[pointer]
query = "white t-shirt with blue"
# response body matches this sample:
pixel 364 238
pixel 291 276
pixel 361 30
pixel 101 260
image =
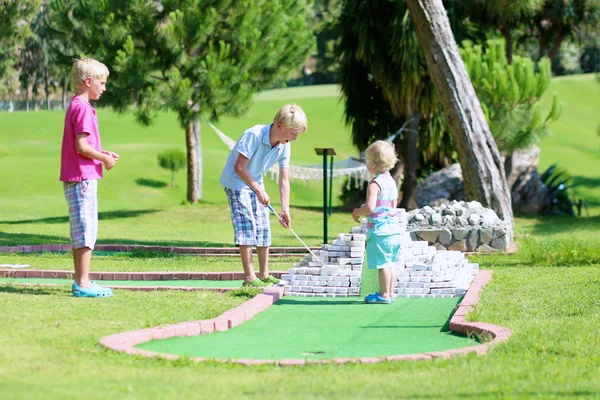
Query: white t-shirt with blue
pixel 255 145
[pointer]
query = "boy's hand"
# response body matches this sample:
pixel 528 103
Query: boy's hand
pixel 263 198
pixel 285 220
pixel 109 162
pixel 110 153
pixel 356 216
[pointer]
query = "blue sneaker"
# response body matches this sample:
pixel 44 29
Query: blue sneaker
pixel 376 298
pixel 392 297
pixel 94 291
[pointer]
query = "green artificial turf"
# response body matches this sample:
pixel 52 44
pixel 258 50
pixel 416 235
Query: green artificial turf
pixel 323 328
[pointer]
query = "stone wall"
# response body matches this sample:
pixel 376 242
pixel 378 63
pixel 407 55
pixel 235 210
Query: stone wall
pixel 461 226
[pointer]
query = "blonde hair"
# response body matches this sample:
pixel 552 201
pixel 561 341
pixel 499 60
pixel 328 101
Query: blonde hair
pixel 381 156
pixel 291 116
pixel 86 68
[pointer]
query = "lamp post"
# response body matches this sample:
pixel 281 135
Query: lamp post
pixel 325 152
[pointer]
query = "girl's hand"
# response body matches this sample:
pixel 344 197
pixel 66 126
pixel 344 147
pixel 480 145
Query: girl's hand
pixel 356 216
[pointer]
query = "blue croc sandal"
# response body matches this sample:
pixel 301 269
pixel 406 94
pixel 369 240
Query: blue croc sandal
pixel 376 298
pixel 94 290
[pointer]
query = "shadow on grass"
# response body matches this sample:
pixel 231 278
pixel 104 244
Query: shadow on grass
pixel 29 290
pixel 102 216
pixel 25 239
pixel 587 182
pixel 151 183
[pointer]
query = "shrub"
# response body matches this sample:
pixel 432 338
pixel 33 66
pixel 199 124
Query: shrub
pixel 173 160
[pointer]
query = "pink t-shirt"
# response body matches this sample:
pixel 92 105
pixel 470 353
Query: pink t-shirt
pixel 81 118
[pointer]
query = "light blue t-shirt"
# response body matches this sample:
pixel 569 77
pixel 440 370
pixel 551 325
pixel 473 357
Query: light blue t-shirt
pixel 254 144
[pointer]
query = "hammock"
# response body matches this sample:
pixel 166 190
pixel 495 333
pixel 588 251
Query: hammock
pixel 352 168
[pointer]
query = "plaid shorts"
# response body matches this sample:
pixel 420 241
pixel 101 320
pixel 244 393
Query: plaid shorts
pixel 251 225
pixel 82 198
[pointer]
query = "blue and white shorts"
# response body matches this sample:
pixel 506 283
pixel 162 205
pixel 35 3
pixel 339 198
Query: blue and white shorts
pixel 82 198
pixel 251 225
pixel 383 251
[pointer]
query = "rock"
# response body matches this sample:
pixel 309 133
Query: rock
pixel 459 245
pixel 445 237
pixel 499 244
pixel 529 194
pixel 485 235
pixel 441 186
pixel 430 236
pixel 473 240
pixel 484 248
pixel 459 234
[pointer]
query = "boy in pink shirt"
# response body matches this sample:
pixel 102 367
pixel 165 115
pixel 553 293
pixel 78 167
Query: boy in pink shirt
pixel 81 167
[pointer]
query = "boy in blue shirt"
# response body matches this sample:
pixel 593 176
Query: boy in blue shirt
pixel 257 150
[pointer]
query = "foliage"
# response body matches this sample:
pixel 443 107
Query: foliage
pixel 173 160
pixel 509 94
pixel 569 252
pixel 558 181
pixel 14 29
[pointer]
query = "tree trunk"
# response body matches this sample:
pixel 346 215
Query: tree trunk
pixel 409 158
pixel 509 43
pixel 65 83
pixel 27 98
pixel 194 157
pixel 47 89
pixel 560 36
pixel 482 166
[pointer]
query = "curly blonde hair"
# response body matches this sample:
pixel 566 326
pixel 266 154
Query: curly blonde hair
pixel 381 156
pixel 291 116
pixel 86 68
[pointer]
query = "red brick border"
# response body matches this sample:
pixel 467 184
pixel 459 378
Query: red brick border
pixel 131 276
pixel 125 342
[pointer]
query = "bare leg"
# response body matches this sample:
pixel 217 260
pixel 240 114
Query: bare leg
pixel 384 283
pixel 246 254
pixel 263 262
pixel 392 286
pixel 81 259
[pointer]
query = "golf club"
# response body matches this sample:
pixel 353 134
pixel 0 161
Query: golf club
pixel 301 241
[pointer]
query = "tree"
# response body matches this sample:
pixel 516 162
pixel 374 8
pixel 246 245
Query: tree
pixel 196 58
pixel 509 94
pixel 478 154
pixel 14 29
pixel 173 160
pixel 504 15
pixel 379 42
pixel 559 20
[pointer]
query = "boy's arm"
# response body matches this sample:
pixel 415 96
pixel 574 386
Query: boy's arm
pixel 369 206
pixel 284 196
pixel 241 168
pixel 82 146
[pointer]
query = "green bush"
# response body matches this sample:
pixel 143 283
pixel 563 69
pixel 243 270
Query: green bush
pixel 173 160
pixel 559 253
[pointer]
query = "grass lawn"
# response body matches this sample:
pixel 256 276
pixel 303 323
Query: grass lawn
pixel 548 294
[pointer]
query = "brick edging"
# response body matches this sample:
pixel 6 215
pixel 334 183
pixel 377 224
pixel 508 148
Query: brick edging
pixel 131 276
pixel 125 342
pixel 205 251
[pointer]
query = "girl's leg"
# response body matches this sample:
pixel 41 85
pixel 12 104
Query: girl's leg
pixel 384 283
pixel 392 283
